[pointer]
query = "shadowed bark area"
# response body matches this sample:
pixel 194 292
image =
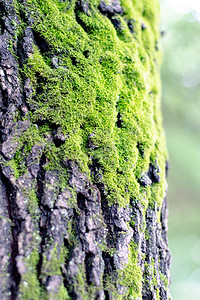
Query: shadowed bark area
pixel 72 226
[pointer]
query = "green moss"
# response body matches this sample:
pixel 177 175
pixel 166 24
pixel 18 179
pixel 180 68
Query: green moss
pixel 25 144
pixel 153 275
pixel 100 73
pixel 110 286
pixel 62 294
pixel 164 280
pixel 32 203
pixel 81 286
pixel 14 167
pixel 132 276
pixel 52 265
pixel 29 288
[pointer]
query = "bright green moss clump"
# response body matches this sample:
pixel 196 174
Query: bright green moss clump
pixel 30 286
pixel 132 276
pixel 101 86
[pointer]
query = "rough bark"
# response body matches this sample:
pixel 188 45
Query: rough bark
pixel 63 232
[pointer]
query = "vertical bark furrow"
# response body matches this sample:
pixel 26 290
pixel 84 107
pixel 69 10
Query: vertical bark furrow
pixel 10 100
pixel 90 230
pixel 6 243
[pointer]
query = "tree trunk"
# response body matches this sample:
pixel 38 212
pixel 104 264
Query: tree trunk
pixel 83 159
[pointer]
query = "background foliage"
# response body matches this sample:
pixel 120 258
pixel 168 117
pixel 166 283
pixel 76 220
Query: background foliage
pixel 181 110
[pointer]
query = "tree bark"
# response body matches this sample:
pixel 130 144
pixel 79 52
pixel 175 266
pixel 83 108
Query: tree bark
pixel 83 211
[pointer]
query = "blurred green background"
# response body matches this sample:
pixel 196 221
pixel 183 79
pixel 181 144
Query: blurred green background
pixel 181 114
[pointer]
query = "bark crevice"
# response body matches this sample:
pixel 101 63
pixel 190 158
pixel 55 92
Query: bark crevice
pixel 15 229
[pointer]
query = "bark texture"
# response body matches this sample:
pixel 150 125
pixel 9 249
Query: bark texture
pixel 64 234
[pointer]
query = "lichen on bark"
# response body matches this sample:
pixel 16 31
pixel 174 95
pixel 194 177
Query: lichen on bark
pixel 83 158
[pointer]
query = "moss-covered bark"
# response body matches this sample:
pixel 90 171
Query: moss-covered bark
pixel 83 161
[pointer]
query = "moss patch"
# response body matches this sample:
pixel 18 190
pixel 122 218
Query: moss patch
pixel 132 276
pixel 29 286
pixel 101 86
